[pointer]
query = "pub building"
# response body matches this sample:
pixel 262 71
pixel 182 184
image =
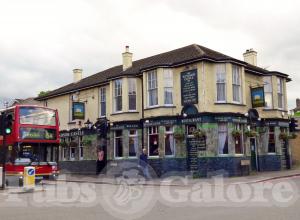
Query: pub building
pixel 194 110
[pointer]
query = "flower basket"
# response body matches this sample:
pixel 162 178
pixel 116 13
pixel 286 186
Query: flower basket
pixel 179 134
pixel 292 136
pixel 63 144
pixel 251 133
pixel 283 136
pixel 262 130
pixel 199 133
pixel 73 144
pixel 236 133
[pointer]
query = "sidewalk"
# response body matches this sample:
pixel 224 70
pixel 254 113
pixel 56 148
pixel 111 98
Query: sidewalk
pixel 253 178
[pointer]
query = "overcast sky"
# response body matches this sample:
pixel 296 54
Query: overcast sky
pixel 41 41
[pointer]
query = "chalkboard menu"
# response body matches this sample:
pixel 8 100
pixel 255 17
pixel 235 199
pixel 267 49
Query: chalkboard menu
pixel 194 145
pixel 189 87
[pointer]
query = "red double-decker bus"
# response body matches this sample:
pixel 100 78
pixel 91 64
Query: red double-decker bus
pixel 34 141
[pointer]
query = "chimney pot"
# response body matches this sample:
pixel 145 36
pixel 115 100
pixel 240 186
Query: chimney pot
pixel 77 75
pixel 127 58
pixel 250 56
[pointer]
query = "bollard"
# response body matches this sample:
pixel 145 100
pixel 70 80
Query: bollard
pixel 29 178
pixel 1 177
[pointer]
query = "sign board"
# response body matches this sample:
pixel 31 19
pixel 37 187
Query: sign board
pixel 258 97
pixel 37 133
pixel 29 178
pixel 189 87
pixel 78 110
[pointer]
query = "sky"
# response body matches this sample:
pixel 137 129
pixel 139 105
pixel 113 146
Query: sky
pixel 42 41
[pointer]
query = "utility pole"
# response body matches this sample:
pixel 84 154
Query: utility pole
pixel 4 149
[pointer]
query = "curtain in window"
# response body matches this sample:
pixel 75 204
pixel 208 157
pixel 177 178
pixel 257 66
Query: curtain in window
pixel 221 82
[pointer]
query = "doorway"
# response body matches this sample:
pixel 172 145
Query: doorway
pixel 254 159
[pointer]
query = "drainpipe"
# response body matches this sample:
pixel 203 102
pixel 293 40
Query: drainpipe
pixel 141 121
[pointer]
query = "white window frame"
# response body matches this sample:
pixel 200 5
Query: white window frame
pixel 170 132
pixel 135 137
pixel 102 99
pixel 121 137
pixel 268 90
pixel 225 132
pixel 168 85
pixel 221 79
pixel 157 133
pixel 117 94
pixel 152 86
pixel 132 92
pixel 280 93
pixel 237 81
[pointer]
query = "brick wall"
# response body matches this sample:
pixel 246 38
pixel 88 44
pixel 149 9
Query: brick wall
pixel 295 147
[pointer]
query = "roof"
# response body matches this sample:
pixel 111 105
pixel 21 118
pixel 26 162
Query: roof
pixel 177 57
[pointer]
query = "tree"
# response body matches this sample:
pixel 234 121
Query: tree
pixel 43 93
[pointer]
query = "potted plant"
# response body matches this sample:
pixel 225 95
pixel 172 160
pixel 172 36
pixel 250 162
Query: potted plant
pixel 179 134
pixel 63 144
pixel 198 133
pixel 262 130
pixel 236 133
pixel 251 133
pixel 283 136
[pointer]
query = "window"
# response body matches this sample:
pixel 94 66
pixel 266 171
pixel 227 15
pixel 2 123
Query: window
pixel 152 88
pixel 132 94
pixel 133 143
pixel 64 153
pixel 168 87
pixel 268 92
pixel 280 93
pixel 169 141
pixel 80 148
pixel 102 101
pixel 223 138
pixel 271 145
pixel 153 141
pixel 236 84
pixel 238 141
pixel 72 153
pixel 118 95
pixel 118 142
pixel 221 82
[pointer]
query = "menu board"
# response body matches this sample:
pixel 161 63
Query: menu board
pixel 189 87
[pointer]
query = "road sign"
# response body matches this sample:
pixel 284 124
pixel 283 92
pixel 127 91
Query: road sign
pixel 29 178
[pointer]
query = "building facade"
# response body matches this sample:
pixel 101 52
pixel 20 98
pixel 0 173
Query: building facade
pixel 193 109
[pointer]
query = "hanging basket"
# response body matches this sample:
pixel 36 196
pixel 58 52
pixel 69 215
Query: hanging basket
pixel 293 136
pixel 283 136
pixel 236 133
pixel 179 134
pixel 199 133
pixel 251 133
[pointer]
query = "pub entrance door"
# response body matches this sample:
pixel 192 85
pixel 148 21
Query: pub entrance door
pixel 254 159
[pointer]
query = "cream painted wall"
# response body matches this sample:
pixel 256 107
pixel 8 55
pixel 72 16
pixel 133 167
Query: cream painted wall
pixel 206 93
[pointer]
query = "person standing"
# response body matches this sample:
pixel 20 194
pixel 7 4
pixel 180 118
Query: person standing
pixel 100 160
pixel 144 163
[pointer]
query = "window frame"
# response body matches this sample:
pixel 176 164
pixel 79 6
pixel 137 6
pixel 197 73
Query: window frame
pixel 270 85
pixel 122 145
pixel 135 137
pixel 152 86
pixel 157 134
pixel 280 93
pixel 221 81
pixel 132 93
pixel 171 133
pixel 118 94
pixel 240 127
pixel 102 101
pixel 237 75
pixel 225 131
pixel 274 137
pixel 168 78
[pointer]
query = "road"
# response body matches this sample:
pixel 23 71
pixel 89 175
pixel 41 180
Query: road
pixel 274 199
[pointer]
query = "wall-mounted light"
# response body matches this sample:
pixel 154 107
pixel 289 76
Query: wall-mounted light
pixel 147 121
pixel 184 115
pixel 246 114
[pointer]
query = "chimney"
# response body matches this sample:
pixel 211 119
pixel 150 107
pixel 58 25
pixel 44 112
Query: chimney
pixel 250 56
pixel 127 58
pixel 77 75
pixel 298 103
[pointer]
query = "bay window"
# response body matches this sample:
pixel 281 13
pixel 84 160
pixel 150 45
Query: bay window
pixel 118 144
pixel 102 102
pixel 280 93
pixel 268 92
pixel 153 141
pixel 152 88
pixel 132 94
pixel 221 82
pixel 118 95
pixel 169 141
pixel 236 84
pixel 223 138
pixel 168 87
